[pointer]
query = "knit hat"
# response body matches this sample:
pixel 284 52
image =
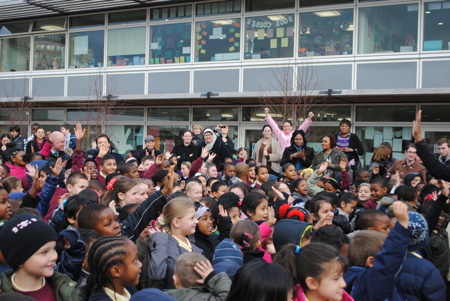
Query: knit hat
pixel 419 231
pixel 289 231
pixel 151 294
pixel 227 258
pixel 22 236
pixel 200 211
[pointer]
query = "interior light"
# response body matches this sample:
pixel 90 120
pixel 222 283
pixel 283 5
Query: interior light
pixel 327 13
pixel 440 23
pixel 223 22
pixel 428 12
pixel 276 18
pixel 51 27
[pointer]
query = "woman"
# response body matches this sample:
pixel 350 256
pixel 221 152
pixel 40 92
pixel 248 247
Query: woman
pixel 37 143
pixel 197 137
pixel 6 145
pixel 380 161
pixel 267 151
pixel 216 148
pixel 330 154
pixel 186 151
pixel 284 136
pixel 349 143
pixel 298 153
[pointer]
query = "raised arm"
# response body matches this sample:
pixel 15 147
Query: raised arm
pixel 308 121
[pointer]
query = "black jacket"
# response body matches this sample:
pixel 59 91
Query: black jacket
pixel 355 144
pixel 288 151
pixel 186 153
pixel 143 153
pixel 93 153
pixel 436 168
pixel 221 150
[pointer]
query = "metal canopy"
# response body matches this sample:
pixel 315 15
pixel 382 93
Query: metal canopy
pixel 25 9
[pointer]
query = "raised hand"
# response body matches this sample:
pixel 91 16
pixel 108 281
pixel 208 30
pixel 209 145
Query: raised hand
pixel 31 170
pixel 203 268
pixel 56 170
pixel 159 160
pixel 323 166
pixel 211 157
pixel 205 152
pixel 401 213
pixel 271 220
pixel 79 131
pixel 103 150
pixel 416 127
pixel 310 115
pixel 266 110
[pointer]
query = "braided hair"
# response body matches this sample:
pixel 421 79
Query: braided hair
pixel 104 253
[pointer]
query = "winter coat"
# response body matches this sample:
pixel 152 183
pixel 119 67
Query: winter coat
pixel 218 287
pixel 403 168
pixel 300 296
pixel 274 156
pixel 63 286
pixel 283 138
pixel 42 202
pixel 336 157
pixel 186 153
pixel 355 144
pixel 93 153
pixel 72 259
pixel 288 151
pixel 432 164
pixel 313 189
pixel 221 150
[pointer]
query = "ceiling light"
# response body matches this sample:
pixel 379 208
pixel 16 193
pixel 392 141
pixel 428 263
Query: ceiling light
pixel 440 23
pixel 428 12
pixel 223 22
pixel 327 13
pixel 276 18
pixel 51 27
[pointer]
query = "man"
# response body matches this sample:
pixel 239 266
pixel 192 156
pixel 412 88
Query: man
pixel 429 160
pixel 149 149
pixel 444 150
pixel 54 149
pixel 71 141
pixel 409 164
pixel 14 131
pixel 103 139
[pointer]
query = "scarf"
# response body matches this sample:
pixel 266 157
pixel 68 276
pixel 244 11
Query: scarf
pixel 211 145
pixel 298 164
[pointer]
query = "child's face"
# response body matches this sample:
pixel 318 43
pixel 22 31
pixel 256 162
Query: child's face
pixel 364 193
pixel 301 188
pixel 230 171
pixel 187 224
pixel 18 159
pixel 142 193
pixel 220 191
pixel 284 188
pixel 364 176
pixel 92 169
pixel 5 206
pixel 80 185
pixel 184 171
pixel 3 173
pixel 349 207
pixel 434 182
pixel 325 213
pixel 150 187
pixel 251 172
pixel 382 224
pixel 205 223
pixel 195 193
pixel 290 173
pixel 235 214
pixel 212 172
pixel 109 166
pixel 42 177
pixel 332 284
pixel 131 268
pixel 377 191
pixel 41 263
pixel 237 191
pixel 415 181
pixel 261 212
pixel 263 175
pixel 419 188
pixel 133 173
pixel 203 169
pixel 129 197
pixel 329 188
pixel 107 224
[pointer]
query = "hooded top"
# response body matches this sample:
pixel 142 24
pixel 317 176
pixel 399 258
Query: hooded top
pixel 289 231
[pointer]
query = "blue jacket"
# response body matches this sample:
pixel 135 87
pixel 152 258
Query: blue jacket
pixel 378 283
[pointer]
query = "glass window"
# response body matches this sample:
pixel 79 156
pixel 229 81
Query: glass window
pixel 123 114
pixel 315 133
pixel 222 7
pixel 125 137
pixel 217 40
pixel 49 51
pixel 216 114
pixel 126 46
pixel 257 114
pixel 384 29
pixel 82 115
pixel 437 26
pixel 173 12
pixel 87 21
pixel 435 113
pixel 127 17
pixel 168 114
pixel 269 37
pixel 14 54
pixel 86 49
pixel 255 5
pixel 166 136
pixel 16 27
pixel 326 33
pixel 308 3
pixel 49 24
pixel 386 113
pixel 170 43
pixel 48 115
pixel 13 115
pixel 323 113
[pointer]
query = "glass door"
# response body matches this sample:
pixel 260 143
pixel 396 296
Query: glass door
pixel 435 132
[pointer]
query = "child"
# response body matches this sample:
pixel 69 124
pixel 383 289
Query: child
pixel 255 205
pixel 209 185
pixel 261 281
pixel 240 189
pixel 17 165
pixel 246 235
pixel 28 245
pixel 262 175
pixel 143 189
pixel 227 258
pixel 203 232
pixel 322 212
pixel 317 270
pixel 291 231
pixel 218 188
pixel 251 175
pixel 226 212
pixel 375 220
pixel 229 174
pixel 129 170
pixel 193 272
pixel 194 190
pixel 346 205
pixel 364 194
pixel 289 175
pixel 179 221
pixel 184 172
pixel 108 165
pixel 378 188
pixel 113 264
pixel 300 194
pixel 12 184
pixel 5 207
pixel 122 191
pixel 334 236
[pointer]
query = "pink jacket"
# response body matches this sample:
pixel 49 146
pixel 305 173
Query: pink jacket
pixel 265 231
pixel 283 138
pixel 299 296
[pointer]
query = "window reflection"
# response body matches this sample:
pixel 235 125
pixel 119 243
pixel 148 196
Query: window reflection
pixel 126 46
pixel 436 26
pixel 86 49
pixel 14 54
pixel 49 51
pixel 170 43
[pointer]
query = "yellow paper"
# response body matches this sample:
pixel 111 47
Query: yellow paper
pixel 280 32
pixel 182 60
pixel 237 35
pixel 231 48
pixel 273 43
pixel 199 37
pixel 284 42
pixel 261 34
pixel 177 60
pixel 203 51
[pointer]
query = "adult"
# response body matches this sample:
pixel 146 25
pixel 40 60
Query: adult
pixel 330 154
pixel 224 130
pixel 14 131
pixel 444 151
pixel 71 140
pixel 35 145
pixel 298 153
pixel 6 145
pixel 349 143
pixel 216 148
pixel 267 151
pixel 429 160
pixel 197 135
pixel 379 163
pixel 101 140
pixel 149 149
pixel 186 151
pixel 409 164
pixel 54 149
pixel 34 128
pixel 284 136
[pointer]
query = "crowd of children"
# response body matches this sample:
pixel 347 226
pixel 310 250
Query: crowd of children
pixel 155 228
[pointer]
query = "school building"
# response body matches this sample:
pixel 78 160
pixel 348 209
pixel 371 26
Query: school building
pixel 158 67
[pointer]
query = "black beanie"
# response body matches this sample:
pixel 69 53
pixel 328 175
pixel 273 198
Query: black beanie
pixel 22 236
